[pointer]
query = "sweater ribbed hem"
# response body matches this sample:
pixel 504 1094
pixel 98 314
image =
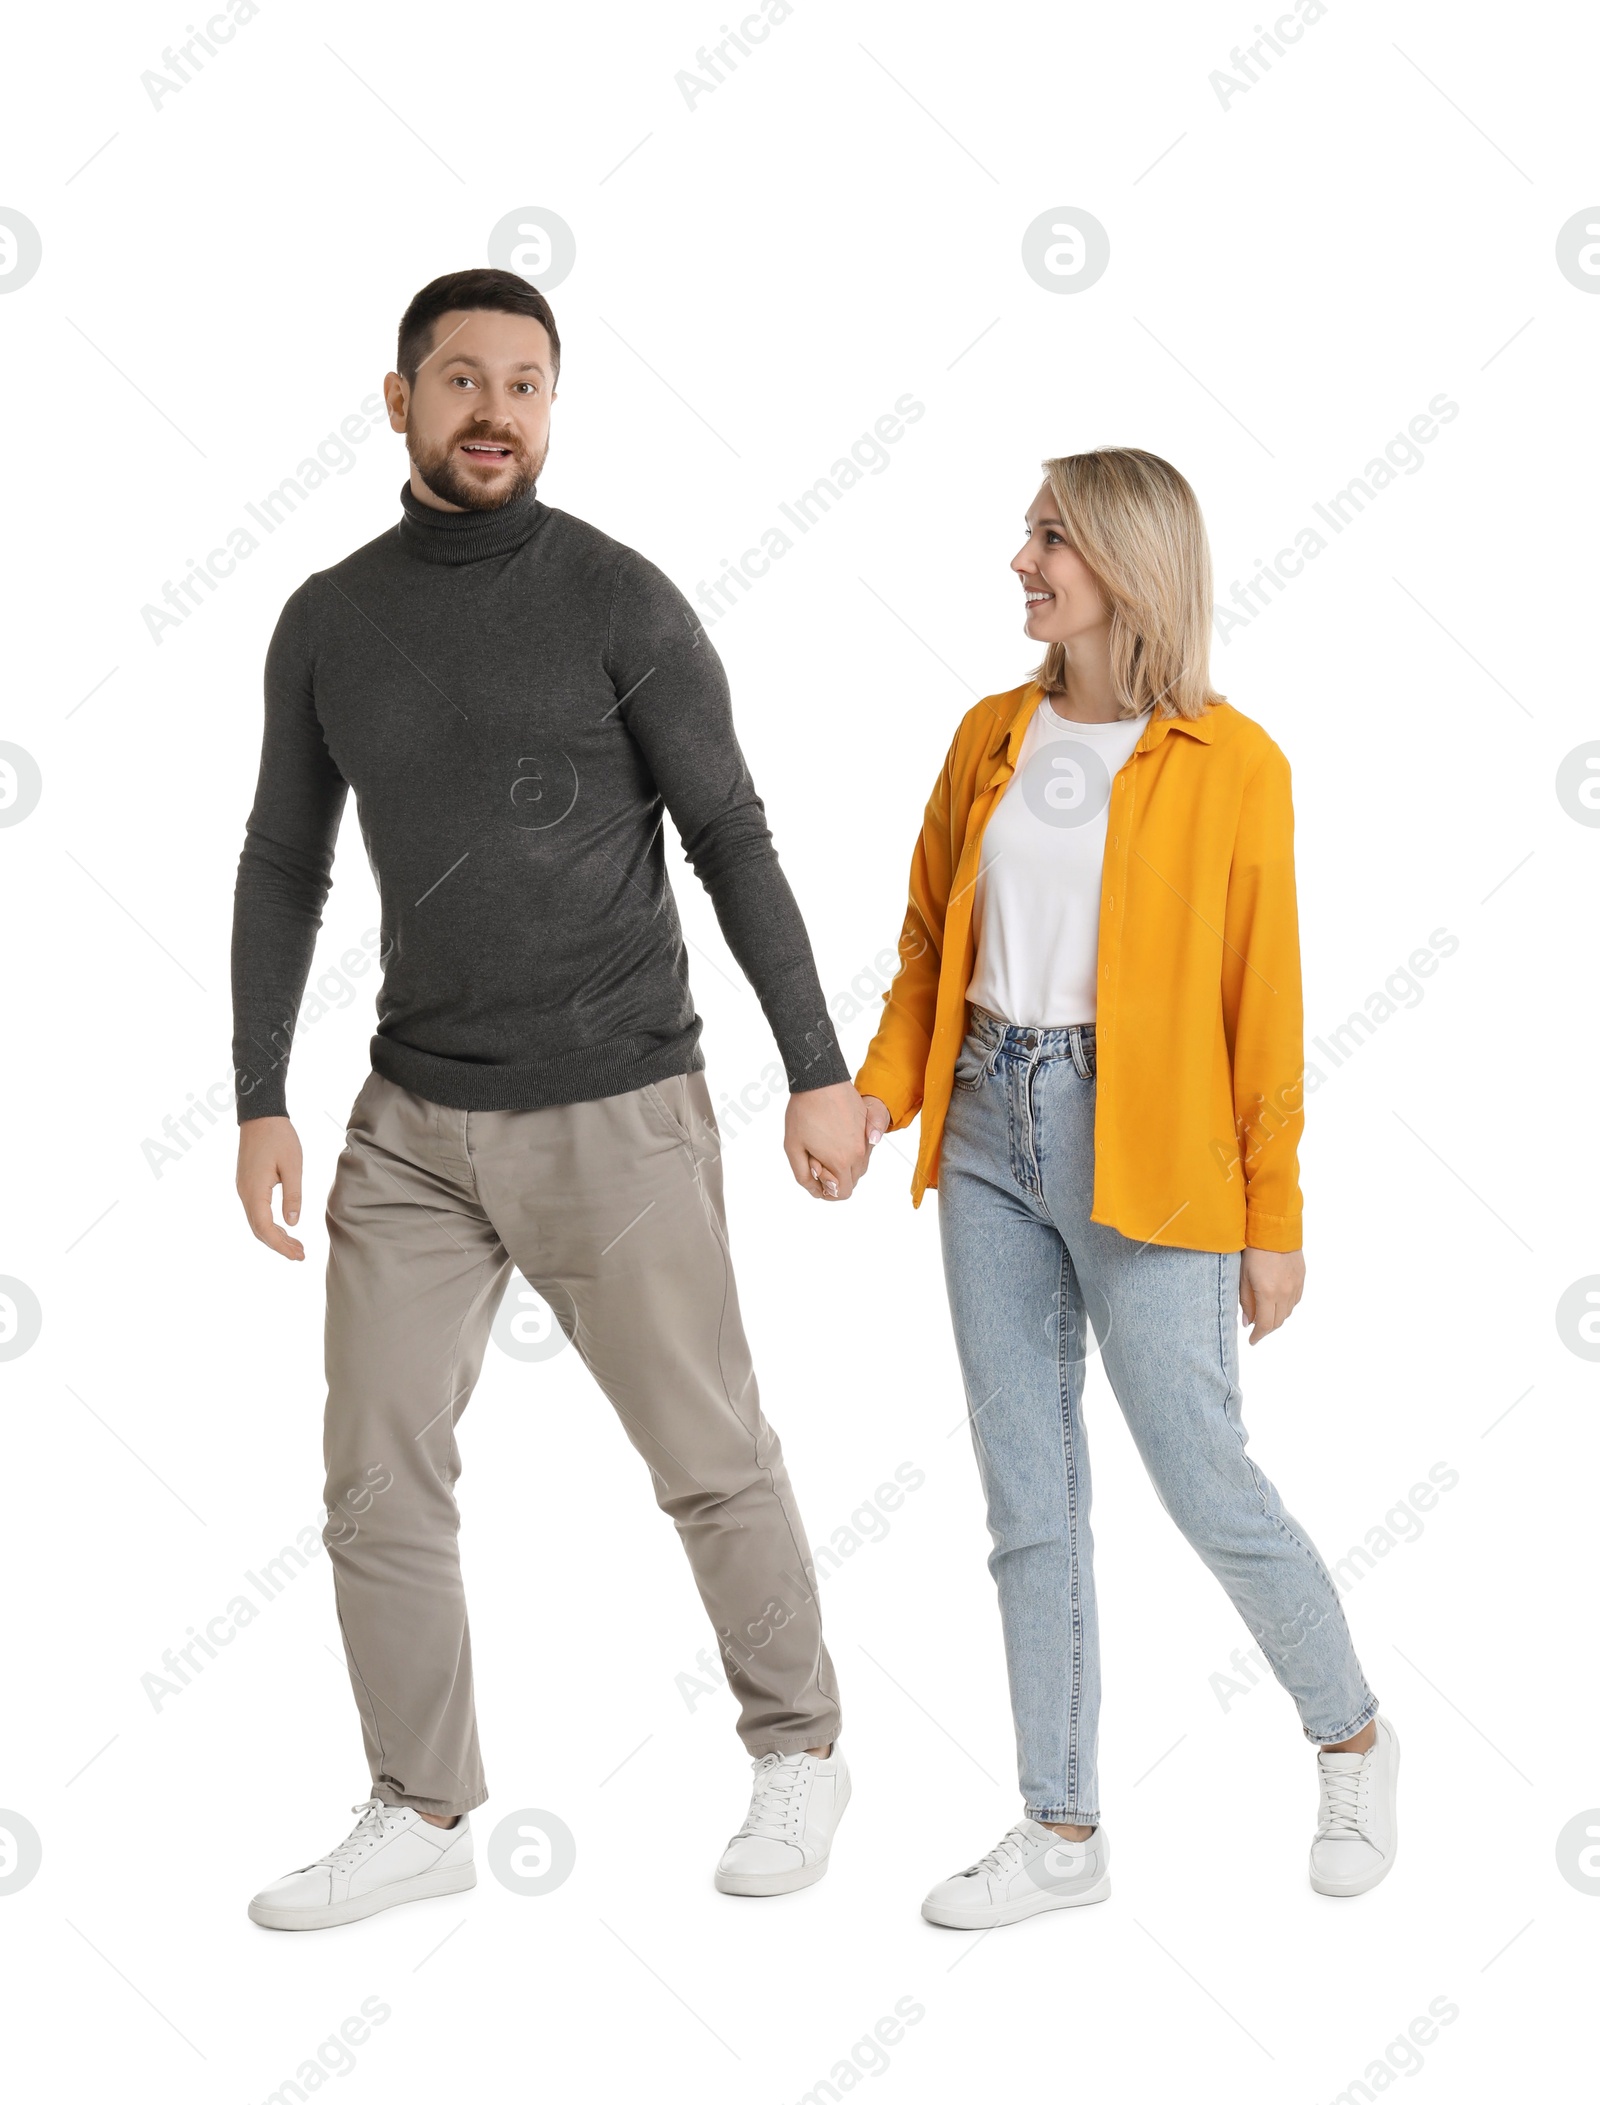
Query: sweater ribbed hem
pixel 579 1076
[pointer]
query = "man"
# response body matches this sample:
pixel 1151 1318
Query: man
pixel 515 698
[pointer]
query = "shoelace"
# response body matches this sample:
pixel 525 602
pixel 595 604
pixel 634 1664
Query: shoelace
pixel 1341 1800
pixel 368 1828
pixel 1006 1854
pixel 772 1798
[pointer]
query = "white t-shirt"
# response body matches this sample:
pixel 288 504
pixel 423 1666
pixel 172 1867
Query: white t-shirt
pixel 1036 909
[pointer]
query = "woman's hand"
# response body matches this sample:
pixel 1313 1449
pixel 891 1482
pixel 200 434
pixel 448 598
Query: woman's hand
pixel 878 1119
pixel 1270 1284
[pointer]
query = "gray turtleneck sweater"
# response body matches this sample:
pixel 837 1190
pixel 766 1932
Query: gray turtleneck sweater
pixel 515 700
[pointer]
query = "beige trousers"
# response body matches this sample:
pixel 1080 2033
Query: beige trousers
pixel 612 1211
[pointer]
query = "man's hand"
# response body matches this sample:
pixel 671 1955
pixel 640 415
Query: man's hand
pixel 825 1139
pixel 1270 1284
pixel 269 1155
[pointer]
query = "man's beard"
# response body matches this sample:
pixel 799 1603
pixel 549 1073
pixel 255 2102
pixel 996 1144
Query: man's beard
pixel 442 471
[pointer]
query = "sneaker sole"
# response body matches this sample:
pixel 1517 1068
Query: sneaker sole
pixel 763 1885
pixel 1347 1889
pixel 426 1887
pixel 1014 1910
pixel 759 1885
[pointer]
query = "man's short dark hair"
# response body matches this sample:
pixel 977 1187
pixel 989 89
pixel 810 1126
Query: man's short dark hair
pixel 461 291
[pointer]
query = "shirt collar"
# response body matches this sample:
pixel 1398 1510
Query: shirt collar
pixel 1011 727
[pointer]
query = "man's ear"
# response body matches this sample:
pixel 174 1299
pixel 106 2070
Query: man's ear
pixel 397 400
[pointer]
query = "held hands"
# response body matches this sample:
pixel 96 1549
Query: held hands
pixel 1270 1284
pixel 828 1135
pixel 269 1155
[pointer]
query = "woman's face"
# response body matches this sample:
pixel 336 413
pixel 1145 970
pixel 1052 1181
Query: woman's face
pixel 1062 599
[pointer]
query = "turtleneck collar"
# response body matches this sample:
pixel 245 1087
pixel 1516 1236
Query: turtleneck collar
pixel 466 537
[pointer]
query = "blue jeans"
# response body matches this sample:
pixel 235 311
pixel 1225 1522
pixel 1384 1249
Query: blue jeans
pixel 1028 1275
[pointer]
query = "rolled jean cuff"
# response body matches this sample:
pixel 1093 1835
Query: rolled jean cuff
pixel 1364 1716
pixel 1061 1816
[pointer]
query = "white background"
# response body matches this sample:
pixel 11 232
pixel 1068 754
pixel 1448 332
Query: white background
pixel 1292 279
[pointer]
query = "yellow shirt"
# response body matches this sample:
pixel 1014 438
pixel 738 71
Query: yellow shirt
pixel 1199 1056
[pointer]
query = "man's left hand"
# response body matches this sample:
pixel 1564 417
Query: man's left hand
pixel 825 1139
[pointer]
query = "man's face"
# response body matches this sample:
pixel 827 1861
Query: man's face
pixel 477 416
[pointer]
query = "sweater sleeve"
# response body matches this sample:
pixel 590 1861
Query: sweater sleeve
pixel 673 695
pixel 285 867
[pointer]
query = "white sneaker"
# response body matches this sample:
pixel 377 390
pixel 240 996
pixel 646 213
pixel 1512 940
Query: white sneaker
pixel 392 1855
pixel 795 1806
pixel 1027 1871
pixel 1356 1834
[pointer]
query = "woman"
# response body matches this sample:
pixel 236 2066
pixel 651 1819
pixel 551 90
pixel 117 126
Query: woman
pixel 1097 1015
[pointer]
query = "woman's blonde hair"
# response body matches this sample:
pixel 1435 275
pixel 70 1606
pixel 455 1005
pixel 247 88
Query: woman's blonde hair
pixel 1136 523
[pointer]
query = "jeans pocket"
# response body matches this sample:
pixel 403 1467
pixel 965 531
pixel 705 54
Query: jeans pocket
pixel 972 1064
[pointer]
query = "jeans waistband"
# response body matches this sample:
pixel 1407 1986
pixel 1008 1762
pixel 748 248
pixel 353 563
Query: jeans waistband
pixel 1055 1044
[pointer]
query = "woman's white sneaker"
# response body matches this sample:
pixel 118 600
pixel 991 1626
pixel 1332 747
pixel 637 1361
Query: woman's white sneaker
pixel 1027 1872
pixel 795 1805
pixel 1357 1832
pixel 391 1855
